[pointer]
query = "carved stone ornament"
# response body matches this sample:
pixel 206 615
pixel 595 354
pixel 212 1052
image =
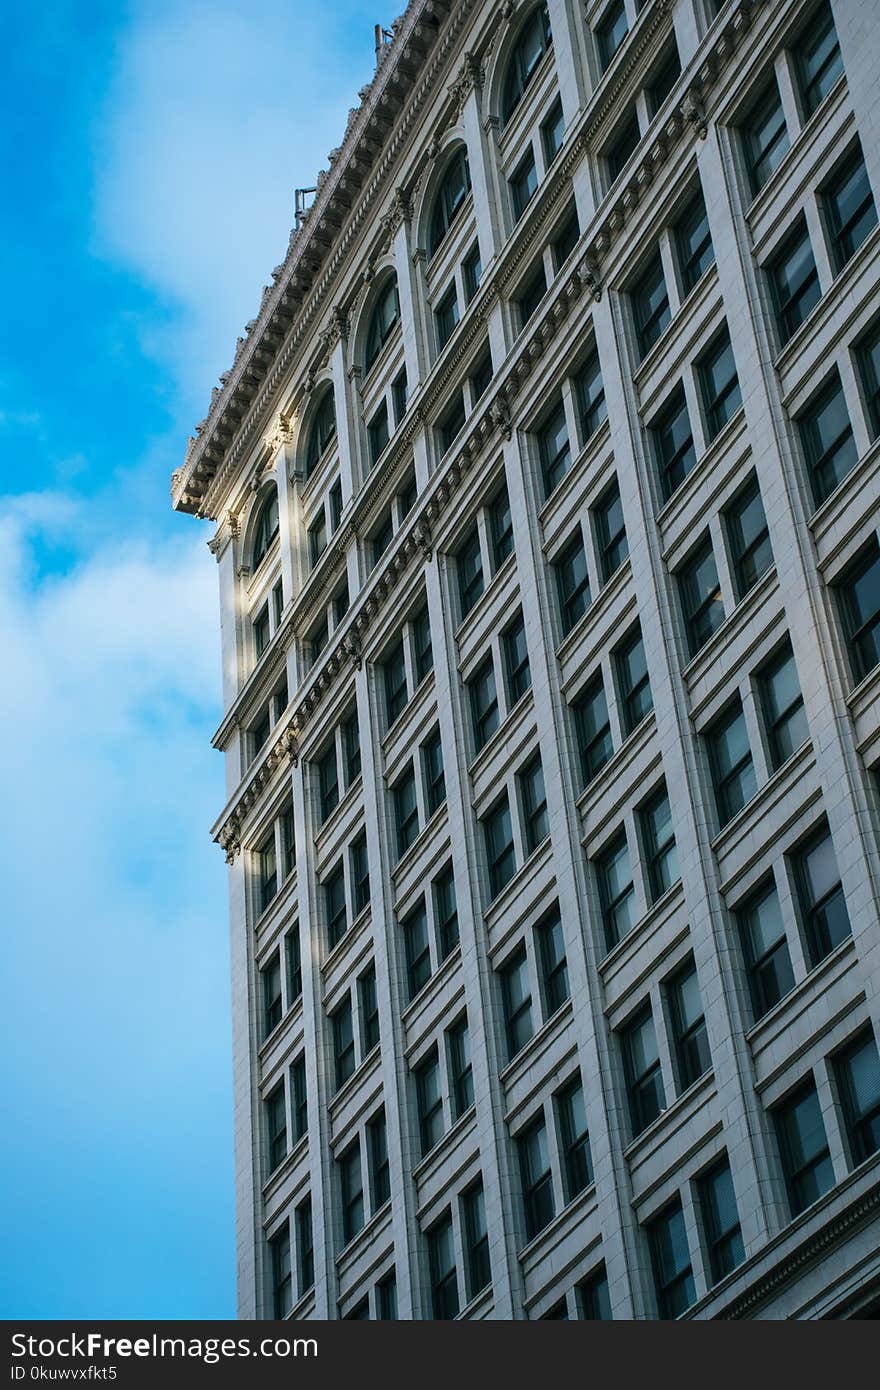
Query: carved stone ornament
pixel 470 76
pixel 352 646
pixel 508 8
pixel 337 328
pixel 280 433
pixel 291 744
pixel 422 536
pixel 588 271
pixel 500 413
pixel 229 844
pixel 694 112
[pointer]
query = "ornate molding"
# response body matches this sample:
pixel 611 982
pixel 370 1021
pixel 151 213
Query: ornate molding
pixel 694 112
pixel 471 76
pixel 280 433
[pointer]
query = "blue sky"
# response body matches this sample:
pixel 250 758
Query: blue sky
pixel 150 152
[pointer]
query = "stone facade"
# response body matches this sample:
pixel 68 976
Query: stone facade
pixel 600 541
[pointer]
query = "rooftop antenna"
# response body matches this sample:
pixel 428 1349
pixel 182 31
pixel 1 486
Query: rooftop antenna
pixel 382 38
pixel 300 206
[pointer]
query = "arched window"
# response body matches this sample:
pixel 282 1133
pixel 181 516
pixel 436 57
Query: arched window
pixel 386 312
pixel 450 197
pixel 534 40
pixel 266 528
pixel 323 429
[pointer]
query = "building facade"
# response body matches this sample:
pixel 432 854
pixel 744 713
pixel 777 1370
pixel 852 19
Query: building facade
pixel 547 482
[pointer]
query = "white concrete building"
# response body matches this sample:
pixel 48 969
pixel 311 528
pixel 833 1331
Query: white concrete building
pixel 547 482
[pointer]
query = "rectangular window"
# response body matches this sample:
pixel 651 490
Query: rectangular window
pixel 261 631
pixel 516 660
pixel 472 267
pixel 293 953
pixel 692 1055
pixel 554 450
pixel 470 572
pixel 632 679
pixel 360 874
pixel 516 998
pixel 719 385
pixel 342 1024
pixel 823 906
pixel 378 433
pixel 423 651
pixel 394 680
pixel 610 532
pixel 276 1126
pixel 552 131
pixel 369 1011
pixel 701 601
pixel 334 906
pixel 461 1077
pixel 386 1298
pixel 335 504
pixel 267 872
pixel 500 851
pixel 435 778
pixel 501 528
pixel 278 602
pixel 794 281
pixel 748 538
pixel 817 56
pixel 351 1186
pixel 484 703
pixel 429 1100
pixel 417 949
pixel 534 804
pixel 857 1070
pixel 282 1283
pixel 785 718
pixel 869 371
pixel 592 729
pixel 479 1274
pixel 446 317
pixel 721 1220
pixel 328 781
pixel 671 1262
pixel 662 79
pixel 765 947
pixel 523 185
pixel 693 244
pixel 299 1098
pixel 452 422
pixel 611 31
pixel 577 1165
pixel 803 1148
pixel 765 137
pixel 445 912
pixel 481 377
pixel 642 1066
pixel 381 539
pixel 377 1150
pixel 406 812
pixel 650 305
pixel 351 750
pixel 565 239
pixel 849 209
pixel 537 1178
pixel 399 396
pixel 305 1249
pixel 591 396
pixel 859 597
pixel 530 295
pixel 444 1277
pixel 572 582
pixel 730 757
pixel 827 439
pixel 673 444
pixel 659 840
pixel 272 1004
pixel 594 1300
pixel 554 968
pixel 317 540
pixel 288 842
pixel 617 893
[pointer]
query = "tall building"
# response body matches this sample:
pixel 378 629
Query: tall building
pixel 547 482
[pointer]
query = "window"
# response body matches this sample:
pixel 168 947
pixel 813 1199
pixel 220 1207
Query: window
pixel 611 31
pixel 378 432
pixel 470 572
pixel 322 432
pixel 446 317
pixel 272 1003
pixel 267 872
pixel 481 376
pixel 673 444
pixel 558 1313
pixel 575 1141
pixel 305 1250
pixel 278 602
pixel 659 840
pixel 394 676
pixel 282 1283
pixel 794 281
pixel 592 729
pixel 785 718
pixel 591 396
pixel 530 48
pixel 484 703
pixel 377 1150
pixel 616 890
pixel 594 1298
pixel 351 1186
pixel 516 660
pixel 450 198
pixel 328 782
pixel 721 1220
pixel 500 852
pixel 501 528
pixel 472 269
pixel 827 440
pixel 386 1298
pixel 473 1206
pixel 432 767
pixel 642 1066
pixel 261 631
pixel 530 295
pixel 869 370
pixel 276 1126
pixel 700 597
pixel 554 450
pixel 406 811
pixel 719 384
pixel 417 949
pixel 733 771
pixel 849 208
pixel 343 1042
pixel 445 912
pixel 334 906
pixel 671 1262
pixel 803 1147
pixel 565 239
pixel 623 145
pixel 818 60
pixel 369 1010
pixel 554 969
pixel 693 244
pixel 458 1044
pixel 523 185
pixel 341 602
pixel 650 305
pixel 552 131
pixel 633 683
pixel 383 321
pixel 360 1312
pixel 294 965
pixel 537 1179
pixel 335 496
pixel 423 652
pixel 444 1277
pixel 516 997
pixel 534 804
pixel 351 750
pixel 748 538
pixel 299 1098
pixel 765 137
pixel 766 949
pixel 265 530
pixel 399 396
pixel 859 595
pixel 429 1100
pixel 857 1070
pixel 692 1054
pixel 572 583
pixel 662 80
pixel 823 906
pixel 382 539
pixel 610 532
